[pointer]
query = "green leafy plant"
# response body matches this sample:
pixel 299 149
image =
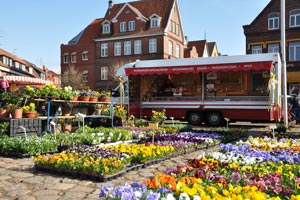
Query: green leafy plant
pixel 158 116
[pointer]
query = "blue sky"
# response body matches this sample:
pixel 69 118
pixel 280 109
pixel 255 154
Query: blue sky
pixel 35 29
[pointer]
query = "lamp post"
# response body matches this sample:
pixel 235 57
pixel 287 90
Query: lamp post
pixel 283 54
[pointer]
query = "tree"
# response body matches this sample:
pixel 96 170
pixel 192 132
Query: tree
pixel 71 77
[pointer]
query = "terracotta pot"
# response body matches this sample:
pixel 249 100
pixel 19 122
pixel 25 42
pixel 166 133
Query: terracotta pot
pixel 4 113
pixel 83 98
pixel 66 111
pixel 16 113
pixel 29 114
pixel 93 99
pixel 75 98
pixel 104 99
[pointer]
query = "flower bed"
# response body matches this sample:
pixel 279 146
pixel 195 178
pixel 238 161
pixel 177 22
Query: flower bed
pixel 260 168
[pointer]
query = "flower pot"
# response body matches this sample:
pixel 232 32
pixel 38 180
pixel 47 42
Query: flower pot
pixel 16 113
pixel 83 98
pixel 66 111
pixel 4 113
pixel 153 125
pixel 29 114
pixel 93 99
pixel 104 99
pixel 75 98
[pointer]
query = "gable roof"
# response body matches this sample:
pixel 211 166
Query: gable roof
pixel 87 35
pixel 199 45
pixel 145 8
pixel 13 57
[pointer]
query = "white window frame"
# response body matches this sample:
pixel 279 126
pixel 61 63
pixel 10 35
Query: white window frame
pixel 131 26
pixel 294 51
pixel 104 50
pixel 256 49
pixel 273 21
pixel 104 73
pixel 118 48
pixel 173 27
pixel 84 56
pixel 273 48
pixel 295 18
pixel 106 28
pixel 66 58
pixel 85 77
pixel 177 51
pixel 30 70
pixel 123 27
pixel 138 47
pixel 73 58
pixel 153 46
pixel 127 48
pixel 170 48
pixel 154 23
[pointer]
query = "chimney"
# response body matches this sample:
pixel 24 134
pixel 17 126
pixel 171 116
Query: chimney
pixel 110 4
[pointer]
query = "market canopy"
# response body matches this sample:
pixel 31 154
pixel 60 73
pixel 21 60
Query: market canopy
pixel 250 62
pixel 201 68
pixel 23 80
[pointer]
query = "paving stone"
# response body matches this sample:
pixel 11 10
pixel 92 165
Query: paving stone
pixel 61 186
pixel 26 197
pixel 34 179
pixel 45 193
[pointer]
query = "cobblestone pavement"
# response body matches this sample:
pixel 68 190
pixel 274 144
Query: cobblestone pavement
pixel 20 180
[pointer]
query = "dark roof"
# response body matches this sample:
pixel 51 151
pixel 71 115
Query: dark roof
pixel 199 45
pixel 87 35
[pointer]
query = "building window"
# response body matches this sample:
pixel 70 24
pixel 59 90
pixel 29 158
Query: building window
pixel 85 76
pixel 137 46
pixel 256 49
pixel 30 70
pixel 66 58
pixel 294 51
pixel 118 48
pixel 23 67
pixel 152 46
pixel 131 25
pixel 177 29
pixel 273 48
pixel 154 22
pixel 84 55
pixel 127 48
pixel 17 65
pixel 273 21
pixel 177 53
pixel 295 18
pixel 170 48
pixel 104 73
pixel 123 27
pixel 73 58
pixel 106 28
pixel 104 50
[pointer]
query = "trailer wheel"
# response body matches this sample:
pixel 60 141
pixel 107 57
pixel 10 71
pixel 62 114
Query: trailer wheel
pixel 195 118
pixel 214 119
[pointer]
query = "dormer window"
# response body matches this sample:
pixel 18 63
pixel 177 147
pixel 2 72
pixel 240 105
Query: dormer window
pixel 154 21
pixel 273 21
pixel 295 18
pixel 131 25
pixel 123 27
pixel 106 28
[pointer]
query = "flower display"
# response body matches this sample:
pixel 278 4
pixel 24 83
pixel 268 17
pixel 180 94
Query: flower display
pixel 158 116
pixel 259 168
pixel 29 108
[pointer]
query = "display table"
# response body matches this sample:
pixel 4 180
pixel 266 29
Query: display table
pixel 24 126
pixel 52 120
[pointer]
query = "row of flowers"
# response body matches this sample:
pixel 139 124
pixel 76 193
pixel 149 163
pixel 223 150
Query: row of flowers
pixel 108 159
pixel 66 93
pixel 241 171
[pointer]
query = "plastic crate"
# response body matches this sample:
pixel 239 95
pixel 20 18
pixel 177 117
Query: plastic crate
pixel 33 126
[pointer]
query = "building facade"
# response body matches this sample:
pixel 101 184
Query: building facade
pixel 263 35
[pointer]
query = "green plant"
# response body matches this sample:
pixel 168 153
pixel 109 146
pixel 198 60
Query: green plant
pixel 4 128
pixel 158 116
pixel 29 108
pixel 120 111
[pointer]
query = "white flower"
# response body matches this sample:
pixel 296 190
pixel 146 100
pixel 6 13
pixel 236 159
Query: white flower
pixel 184 196
pixel 196 197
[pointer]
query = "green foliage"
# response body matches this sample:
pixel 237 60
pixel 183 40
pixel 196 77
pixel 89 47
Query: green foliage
pixel 32 145
pixel 4 128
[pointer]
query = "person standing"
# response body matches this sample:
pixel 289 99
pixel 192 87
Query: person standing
pixel 295 104
pixel 4 85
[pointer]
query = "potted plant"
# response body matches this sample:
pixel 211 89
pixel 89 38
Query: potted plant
pixel 29 110
pixel 105 96
pixel 84 96
pixel 94 95
pixel 15 105
pixel 157 118
pixel 5 99
pixel 66 93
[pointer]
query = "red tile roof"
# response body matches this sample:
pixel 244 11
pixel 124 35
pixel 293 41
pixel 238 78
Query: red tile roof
pixel 146 8
pixel 13 57
pixel 90 32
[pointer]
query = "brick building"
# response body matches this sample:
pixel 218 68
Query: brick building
pixel 264 35
pixel 137 30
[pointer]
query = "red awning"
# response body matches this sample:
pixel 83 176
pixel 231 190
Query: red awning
pixel 256 66
pixel 22 80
